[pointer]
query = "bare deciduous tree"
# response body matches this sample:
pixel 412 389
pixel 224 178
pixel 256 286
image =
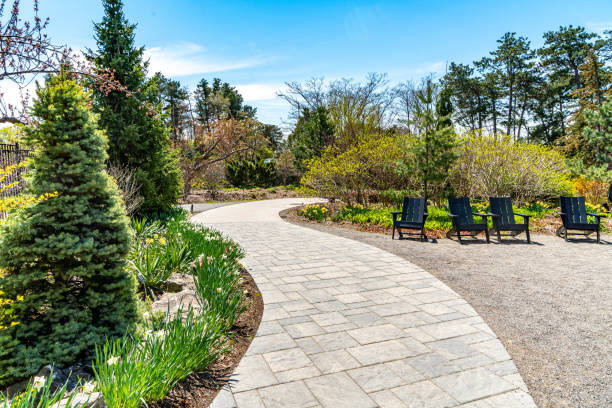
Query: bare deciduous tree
pixel 226 138
pixel 26 52
pixel 124 177
pixel 355 108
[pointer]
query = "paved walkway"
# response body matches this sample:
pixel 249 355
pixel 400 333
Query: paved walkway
pixel 350 325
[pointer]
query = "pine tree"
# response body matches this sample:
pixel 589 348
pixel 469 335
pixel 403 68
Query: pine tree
pixel 433 150
pixel 598 133
pixel 596 79
pixel 63 258
pixel 137 139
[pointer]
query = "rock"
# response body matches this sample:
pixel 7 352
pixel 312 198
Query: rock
pixel 16 388
pixel 83 400
pixel 73 376
pixel 178 283
pixel 170 302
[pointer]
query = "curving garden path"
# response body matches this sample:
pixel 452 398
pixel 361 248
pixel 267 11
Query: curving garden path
pixel 349 325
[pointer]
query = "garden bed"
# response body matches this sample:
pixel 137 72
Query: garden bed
pixel 244 194
pixel 199 309
pixel 377 218
pixel 200 389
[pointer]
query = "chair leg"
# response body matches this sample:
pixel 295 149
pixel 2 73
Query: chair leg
pixel 598 239
pixel 487 235
pixel 528 237
pixel 393 234
pixel 459 236
pixel 423 236
pixel 498 236
pixel 565 234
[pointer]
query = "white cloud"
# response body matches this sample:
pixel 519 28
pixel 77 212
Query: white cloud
pixel 189 59
pixel 259 92
pixel 598 28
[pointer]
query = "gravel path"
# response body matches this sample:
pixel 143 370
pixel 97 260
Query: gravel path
pixel 550 303
pixel 349 325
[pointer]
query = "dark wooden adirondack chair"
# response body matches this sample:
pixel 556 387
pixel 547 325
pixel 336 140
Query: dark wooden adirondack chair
pixel 574 216
pixel 503 218
pixel 413 216
pixel 463 218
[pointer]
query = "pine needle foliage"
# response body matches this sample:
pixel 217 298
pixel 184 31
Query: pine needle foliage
pixel 62 258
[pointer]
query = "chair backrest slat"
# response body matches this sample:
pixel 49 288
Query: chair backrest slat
pixel 461 207
pixel 575 209
pixel 413 209
pixel 502 206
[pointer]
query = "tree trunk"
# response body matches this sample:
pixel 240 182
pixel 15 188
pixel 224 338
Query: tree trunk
pixel 518 137
pixel 510 101
pixel 479 112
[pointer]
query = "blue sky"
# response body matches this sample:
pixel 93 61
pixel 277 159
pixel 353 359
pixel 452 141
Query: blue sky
pixel 259 45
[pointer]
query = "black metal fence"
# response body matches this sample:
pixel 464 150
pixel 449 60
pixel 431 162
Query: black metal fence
pixel 12 154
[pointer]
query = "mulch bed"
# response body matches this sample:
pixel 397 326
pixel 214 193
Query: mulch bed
pixel 200 389
pixel 203 196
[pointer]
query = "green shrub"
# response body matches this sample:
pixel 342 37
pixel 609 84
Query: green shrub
pixel 497 166
pixel 395 197
pixel 251 173
pixel 65 255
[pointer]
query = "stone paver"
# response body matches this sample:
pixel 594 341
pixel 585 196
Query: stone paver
pixel 349 325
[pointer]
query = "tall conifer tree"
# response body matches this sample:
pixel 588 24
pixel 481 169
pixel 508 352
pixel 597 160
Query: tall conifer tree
pixel 137 138
pixel 63 258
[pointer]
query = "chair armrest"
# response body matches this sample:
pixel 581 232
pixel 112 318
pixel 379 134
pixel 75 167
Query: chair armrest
pixel 596 215
pixel 453 215
pixel 425 214
pixel 480 215
pixel 522 215
pixel 493 215
pixel 396 212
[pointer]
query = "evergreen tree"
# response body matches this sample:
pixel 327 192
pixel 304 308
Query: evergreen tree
pixel 63 258
pixel 219 101
pixel 597 80
pixel 313 132
pixel 598 133
pixel 272 134
pixel 175 103
pixel 137 139
pixel 433 151
pixel 444 109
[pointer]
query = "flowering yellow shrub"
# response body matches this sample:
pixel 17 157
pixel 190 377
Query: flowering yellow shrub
pixel 348 174
pixel 21 200
pixel 593 191
pixel 497 166
pixel 5 313
pixel 7 204
pixel 314 212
